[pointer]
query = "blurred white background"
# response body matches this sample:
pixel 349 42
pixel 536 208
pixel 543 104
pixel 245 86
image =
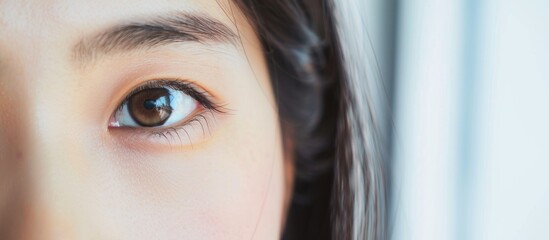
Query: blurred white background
pixel 470 87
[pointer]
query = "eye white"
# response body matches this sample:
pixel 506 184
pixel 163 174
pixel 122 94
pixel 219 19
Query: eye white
pixel 182 104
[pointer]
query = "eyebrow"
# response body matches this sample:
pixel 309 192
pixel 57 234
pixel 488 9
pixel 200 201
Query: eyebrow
pixel 159 31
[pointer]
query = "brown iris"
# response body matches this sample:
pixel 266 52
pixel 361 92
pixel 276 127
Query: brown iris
pixel 150 107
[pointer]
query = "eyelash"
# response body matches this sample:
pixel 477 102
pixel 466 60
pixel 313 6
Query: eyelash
pixel 180 132
pixel 204 98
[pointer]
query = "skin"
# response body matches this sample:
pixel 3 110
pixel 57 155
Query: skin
pixel 66 175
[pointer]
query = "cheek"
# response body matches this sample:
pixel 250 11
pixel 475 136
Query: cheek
pixel 228 188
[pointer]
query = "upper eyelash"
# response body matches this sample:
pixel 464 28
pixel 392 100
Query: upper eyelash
pixel 203 97
pixel 179 131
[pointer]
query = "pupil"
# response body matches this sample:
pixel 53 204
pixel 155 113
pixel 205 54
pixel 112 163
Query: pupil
pixel 149 104
pixel 150 107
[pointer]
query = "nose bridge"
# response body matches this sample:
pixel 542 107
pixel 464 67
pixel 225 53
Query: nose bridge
pixel 41 152
pixel 39 180
pixel 45 146
pixel 55 162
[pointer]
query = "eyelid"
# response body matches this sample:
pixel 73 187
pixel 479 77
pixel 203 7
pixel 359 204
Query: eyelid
pixel 194 127
pixel 203 97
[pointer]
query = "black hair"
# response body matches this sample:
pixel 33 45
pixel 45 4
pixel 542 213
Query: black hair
pixel 320 110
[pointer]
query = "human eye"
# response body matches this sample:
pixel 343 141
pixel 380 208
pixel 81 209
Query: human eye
pixel 165 108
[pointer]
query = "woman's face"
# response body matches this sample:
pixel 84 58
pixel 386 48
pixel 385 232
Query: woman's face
pixel 127 119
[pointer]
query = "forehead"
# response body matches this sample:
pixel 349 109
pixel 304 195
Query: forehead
pixel 48 19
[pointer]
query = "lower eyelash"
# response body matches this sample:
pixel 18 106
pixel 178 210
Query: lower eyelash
pixel 202 121
pixel 199 125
